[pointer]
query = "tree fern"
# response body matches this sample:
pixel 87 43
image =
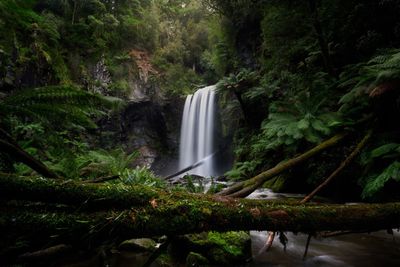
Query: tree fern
pixel 386 160
pixel 363 78
pixel 376 183
pixel 289 123
pixel 242 170
pixel 237 82
pixel 55 103
pixel 92 163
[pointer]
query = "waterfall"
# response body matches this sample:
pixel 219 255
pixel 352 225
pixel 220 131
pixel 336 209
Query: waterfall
pixel 197 132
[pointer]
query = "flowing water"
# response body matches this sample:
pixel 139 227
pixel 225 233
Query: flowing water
pixel 357 250
pixel 198 131
pixel 363 250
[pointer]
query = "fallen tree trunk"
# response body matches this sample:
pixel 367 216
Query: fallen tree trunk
pixel 11 148
pixel 245 188
pixel 191 216
pixel 157 212
pixel 84 195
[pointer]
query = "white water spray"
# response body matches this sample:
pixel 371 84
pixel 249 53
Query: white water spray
pixel 197 132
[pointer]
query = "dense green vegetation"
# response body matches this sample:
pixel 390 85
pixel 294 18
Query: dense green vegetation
pixel 336 70
pixel 67 61
pixel 290 74
pixel 313 69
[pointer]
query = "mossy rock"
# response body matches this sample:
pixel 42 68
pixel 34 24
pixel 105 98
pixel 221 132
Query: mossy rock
pixel 276 184
pixel 196 259
pixel 138 245
pixel 219 248
pixel 165 260
pixel 230 247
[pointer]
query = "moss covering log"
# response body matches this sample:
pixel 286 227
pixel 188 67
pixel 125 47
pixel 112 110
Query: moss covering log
pixel 86 196
pixel 192 216
pixel 141 211
pixel 245 188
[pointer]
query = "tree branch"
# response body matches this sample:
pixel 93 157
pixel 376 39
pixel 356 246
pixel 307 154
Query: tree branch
pixel 14 150
pixel 340 168
pixel 245 188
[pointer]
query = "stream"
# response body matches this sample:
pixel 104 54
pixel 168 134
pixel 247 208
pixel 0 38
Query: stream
pixel 352 250
pixel 358 250
pixel 198 142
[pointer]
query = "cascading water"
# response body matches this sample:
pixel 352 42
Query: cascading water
pixel 197 132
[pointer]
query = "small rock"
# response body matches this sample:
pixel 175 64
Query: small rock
pixel 195 259
pixel 222 249
pixel 138 245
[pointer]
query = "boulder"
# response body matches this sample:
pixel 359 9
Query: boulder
pixel 227 249
pixel 138 245
pixel 196 259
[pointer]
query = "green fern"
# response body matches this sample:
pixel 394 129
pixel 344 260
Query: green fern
pixel 237 82
pixel 57 103
pixel 289 123
pixel 376 183
pixel 242 170
pixel 362 78
pixel 386 159
pixel 93 163
pixel 386 151
pixel 18 13
pixel 106 162
pixel 141 175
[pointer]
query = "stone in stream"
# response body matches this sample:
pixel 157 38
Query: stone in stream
pixel 138 245
pixel 223 249
pixel 196 259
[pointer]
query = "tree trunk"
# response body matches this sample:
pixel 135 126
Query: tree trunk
pixel 245 188
pixel 14 150
pixel 141 211
pixel 74 10
pixel 323 44
pixel 248 118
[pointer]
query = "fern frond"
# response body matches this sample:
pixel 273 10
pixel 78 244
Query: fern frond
pixel 365 77
pixel 376 183
pixel 288 123
pixel 55 103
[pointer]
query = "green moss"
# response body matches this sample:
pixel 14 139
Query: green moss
pixel 220 248
pixel 196 259
pixel 276 184
pixel 231 242
pixel 165 260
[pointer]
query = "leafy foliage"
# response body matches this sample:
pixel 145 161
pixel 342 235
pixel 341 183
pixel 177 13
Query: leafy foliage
pixel 237 82
pixel 297 99
pixel 141 175
pixel 369 79
pixel 375 184
pixel 304 118
pixel 242 170
pixel 55 103
pixel 386 167
pixel 105 163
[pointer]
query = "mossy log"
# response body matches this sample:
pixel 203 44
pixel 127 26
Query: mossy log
pixel 245 188
pixel 141 211
pixel 75 193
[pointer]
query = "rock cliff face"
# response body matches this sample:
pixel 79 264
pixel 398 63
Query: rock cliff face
pixel 149 123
